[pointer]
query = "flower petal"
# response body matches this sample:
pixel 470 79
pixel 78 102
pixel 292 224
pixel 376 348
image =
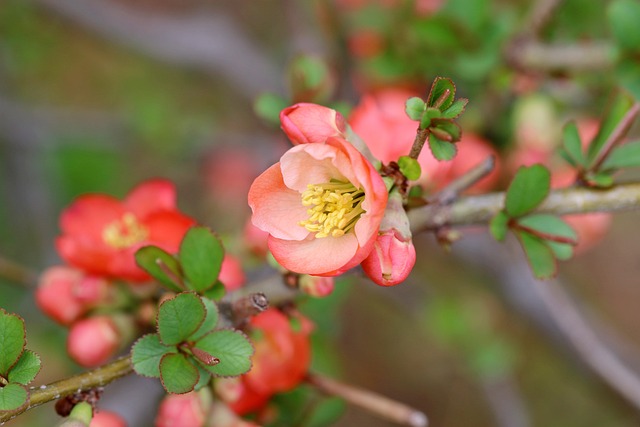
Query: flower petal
pixel 89 214
pixel 151 196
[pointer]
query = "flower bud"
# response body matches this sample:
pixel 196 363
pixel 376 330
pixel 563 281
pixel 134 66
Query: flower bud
pixel 306 123
pixel 316 286
pixel 92 341
pixel 231 274
pixel 56 294
pixel 393 255
pixel 181 410
pixel 107 419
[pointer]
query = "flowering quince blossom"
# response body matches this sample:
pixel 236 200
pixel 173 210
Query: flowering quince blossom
pixel 101 234
pixel 321 205
pixel 181 410
pixel 306 123
pixel 280 362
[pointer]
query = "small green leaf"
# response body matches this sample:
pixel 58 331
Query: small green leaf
pixel 414 107
pixel 624 16
pixel 217 292
pixel 161 265
pixel 539 254
pixel 205 377
pixel 147 353
pixel 26 369
pixel 550 225
pixel 499 225
pixel 409 167
pixel 12 340
pixel 179 317
pixel 600 179
pixel 572 144
pixel 561 251
pixel 623 156
pixel 13 397
pixel 627 72
pixel 438 93
pixel 528 189
pixel 201 255
pixel 326 412
pixel 441 150
pixel 178 374
pixel 268 107
pixel 210 320
pixel 620 106
pixel 455 109
pixel 233 349
pixel 448 127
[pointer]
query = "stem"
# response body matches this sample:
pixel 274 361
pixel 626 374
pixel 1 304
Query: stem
pixel 384 407
pixel 616 136
pixel 87 380
pixel 448 194
pixel 418 143
pixel 531 55
pixel 16 273
pixel 541 14
pixel 471 210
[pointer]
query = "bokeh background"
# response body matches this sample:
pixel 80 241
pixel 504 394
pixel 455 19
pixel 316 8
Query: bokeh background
pixel 98 95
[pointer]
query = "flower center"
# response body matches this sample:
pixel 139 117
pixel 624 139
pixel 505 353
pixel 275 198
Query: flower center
pixel 125 232
pixel 335 208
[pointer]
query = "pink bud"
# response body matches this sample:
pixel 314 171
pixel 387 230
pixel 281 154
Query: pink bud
pixel 107 419
pixel 391 259
pixel 56 294
pixel 92 341
pixel 306 123
pixel 231 274
pixel 181 410
pixel 316 286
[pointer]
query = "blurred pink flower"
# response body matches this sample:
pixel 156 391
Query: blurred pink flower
pixel 92 341
pixel 231 273
pixel 107 419
pixel 181 410
pixel 321 205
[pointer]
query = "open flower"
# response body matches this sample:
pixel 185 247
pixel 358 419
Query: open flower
pixel 321 205
pixel 101 234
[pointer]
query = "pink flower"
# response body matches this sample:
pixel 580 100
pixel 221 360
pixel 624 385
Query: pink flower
pixel 101 234
pixel 92 341
pixel 231 274
pixel 181 410
pixel 66 294
pixel 107 419
pixel 321 205
pixel 306 123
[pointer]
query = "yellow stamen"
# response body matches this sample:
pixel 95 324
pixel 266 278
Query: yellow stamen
pixel 125 232
pixel 334 208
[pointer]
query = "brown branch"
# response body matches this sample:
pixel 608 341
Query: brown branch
pixel 382 406
pixel 471 210
pixel 448 194
pixel 418 142
pixel 16 273
pixel 528 55
pixel 85 381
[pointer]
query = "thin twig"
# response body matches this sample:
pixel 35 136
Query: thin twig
pixel 382 406
pixel 540 15
pixel 418 142
pixel 449 193
pixel 17 273
pixel 87 380
pixel 531 55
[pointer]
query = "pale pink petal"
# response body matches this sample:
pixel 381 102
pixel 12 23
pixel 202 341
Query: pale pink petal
pixel 277 209
pixel 309 164
pixel 314 256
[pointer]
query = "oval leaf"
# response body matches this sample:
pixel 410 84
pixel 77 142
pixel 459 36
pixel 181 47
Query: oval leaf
pixel 146 355
pixel 624 16
pixel 442 93
pixel 161 265
pixel 210 320
pixel 409 167
pixel 455 109
pixel 550 225
pixel 624 156
pixel 13 397
pixel 539 254
pixel 179 317
pixel 201 255
pixel 233 349
pixel 12 340
pixel 178 374
pixel 414 107
pixel 528 189
pixel 26 369
pixel 499 226
pixel 441 150
pixel 573 145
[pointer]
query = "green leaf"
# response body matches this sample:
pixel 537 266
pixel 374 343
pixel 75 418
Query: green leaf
pixel 179 317
pixel 600 179
pixel 13 397
pixel 12 340
pixel 528 189
pixel 573 145
pixel 620 106
pixel 414 107
pixel 623 156
pixel 409 167
pixel 210 320
pixel 26 369
pixel 326 412
pixel 147 353
pixel 499 225
pixel 624 16
pixel 268 106
pixel 548 224
pixel 233 349
pixel 178 374
pixel 161 265
pixel 455 109
pixel 562 251
pixel 539 254
pixel 441 150
pixel 448 127
pixel 201 255
pixel 437 94
pixel 627 72
pixel 205 377
pixel 217 292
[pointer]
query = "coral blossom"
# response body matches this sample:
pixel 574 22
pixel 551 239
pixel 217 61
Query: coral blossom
pixel 101 234
pixel 321 205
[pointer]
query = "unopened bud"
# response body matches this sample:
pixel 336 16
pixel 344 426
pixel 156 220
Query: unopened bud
pixel 94 340
pixel 107 419
pixel 306 123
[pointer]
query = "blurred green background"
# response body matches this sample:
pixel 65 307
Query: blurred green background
pixel 98 95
